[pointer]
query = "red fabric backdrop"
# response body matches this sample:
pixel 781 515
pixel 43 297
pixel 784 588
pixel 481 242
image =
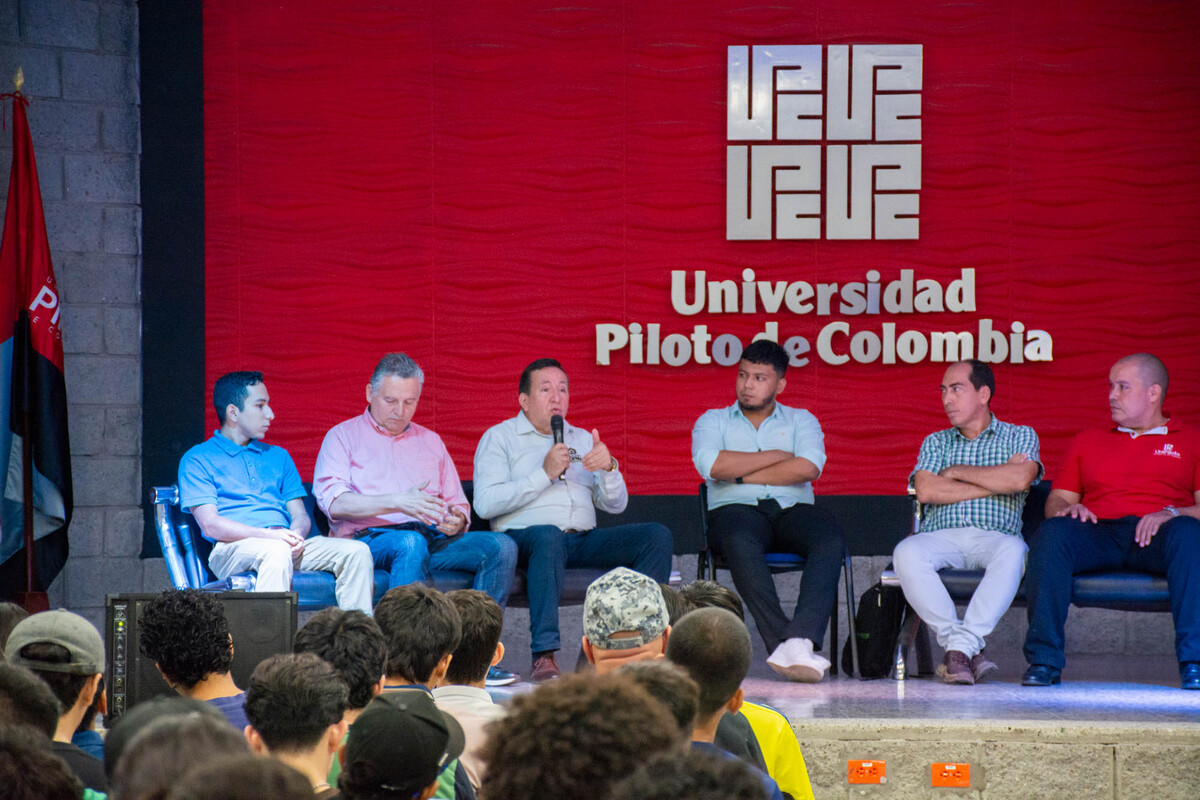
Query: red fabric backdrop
pixel 481 183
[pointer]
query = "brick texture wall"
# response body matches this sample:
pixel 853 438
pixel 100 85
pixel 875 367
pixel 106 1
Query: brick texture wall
pixel 80 64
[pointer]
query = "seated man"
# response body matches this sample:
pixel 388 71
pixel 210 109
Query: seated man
pixel 759 459
pixel 713 646
pixel 295 705
pixel 1127 496
pixel 973 479
pixel 389 482
pixel 247 497
pixel 186 635
pixel 65 651
pixel 541 485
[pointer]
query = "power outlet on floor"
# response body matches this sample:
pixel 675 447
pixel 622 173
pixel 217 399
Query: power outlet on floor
pixel 867 771
pixel 951 775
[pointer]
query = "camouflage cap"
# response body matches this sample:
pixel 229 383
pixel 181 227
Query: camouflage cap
pixel 623 601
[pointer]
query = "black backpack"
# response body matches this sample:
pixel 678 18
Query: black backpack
pixel 880 613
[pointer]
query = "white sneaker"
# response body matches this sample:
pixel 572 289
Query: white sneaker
pixel 795 660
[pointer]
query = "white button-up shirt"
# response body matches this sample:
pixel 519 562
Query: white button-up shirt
pixel 792 430
pixel 513 491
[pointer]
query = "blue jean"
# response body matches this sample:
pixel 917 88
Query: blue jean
pixel 405 555
pixel 1065 547
pixel 546 553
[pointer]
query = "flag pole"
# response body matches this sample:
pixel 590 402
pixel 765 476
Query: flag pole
pixel 32 599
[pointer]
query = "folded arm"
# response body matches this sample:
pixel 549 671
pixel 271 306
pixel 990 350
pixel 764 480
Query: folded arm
pixel 733 464
pixel 788 472
pixel 940 490
pixel 1017 475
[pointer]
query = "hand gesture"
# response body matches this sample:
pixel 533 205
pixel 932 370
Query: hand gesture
pixel 420 504
pixel 556 461
pixel 598 457
pixel 453 523
pixel 294 540
pixel 1148 526
pixel 1079 511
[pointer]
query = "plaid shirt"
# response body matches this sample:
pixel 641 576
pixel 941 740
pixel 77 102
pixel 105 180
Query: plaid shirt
pixel 994 446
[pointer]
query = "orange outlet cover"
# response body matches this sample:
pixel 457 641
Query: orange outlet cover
pixel 954 776
pixel 867 771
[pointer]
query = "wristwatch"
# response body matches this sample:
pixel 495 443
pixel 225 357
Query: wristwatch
pixel 1172 510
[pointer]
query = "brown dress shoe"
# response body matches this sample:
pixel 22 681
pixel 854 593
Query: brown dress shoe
pixel 981 666
pixel 956 668
pixel 545 668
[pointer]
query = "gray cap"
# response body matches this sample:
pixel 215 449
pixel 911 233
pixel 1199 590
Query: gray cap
pixel 624 601
pixel 61 627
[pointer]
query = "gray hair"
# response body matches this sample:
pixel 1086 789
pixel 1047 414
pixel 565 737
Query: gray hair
pixel 396 365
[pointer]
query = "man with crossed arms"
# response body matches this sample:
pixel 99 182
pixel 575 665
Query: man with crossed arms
pixel 973 479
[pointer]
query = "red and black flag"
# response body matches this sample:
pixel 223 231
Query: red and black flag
pixel 35 457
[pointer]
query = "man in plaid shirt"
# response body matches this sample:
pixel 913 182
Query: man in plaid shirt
pixel 972 479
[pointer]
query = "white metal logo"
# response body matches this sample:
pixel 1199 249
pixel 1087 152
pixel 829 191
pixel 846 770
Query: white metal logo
pixel 853 110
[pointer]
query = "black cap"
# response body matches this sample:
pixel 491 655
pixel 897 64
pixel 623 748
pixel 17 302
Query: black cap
pixel 404 739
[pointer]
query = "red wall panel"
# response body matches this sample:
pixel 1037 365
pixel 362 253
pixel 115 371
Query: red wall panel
pixel 481 183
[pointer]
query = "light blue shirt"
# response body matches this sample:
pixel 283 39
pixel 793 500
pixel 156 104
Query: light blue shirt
pixel 792 430
pixel 513 491
pixel 250 484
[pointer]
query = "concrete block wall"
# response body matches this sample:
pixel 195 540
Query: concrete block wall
pixel 81 77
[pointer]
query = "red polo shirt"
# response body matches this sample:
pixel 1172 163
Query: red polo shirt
pixel 1119 475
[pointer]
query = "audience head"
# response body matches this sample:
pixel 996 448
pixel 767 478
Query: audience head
pixel 243 777
pixel 353 644
pixel 670 685
pixel 710 594
pixel 693 774
pixel 397 748
pixel 157 757
pixel 187 636
pixel 624 619
pixel 25 699
pixel 65 651
pixel 142 715
pixel 29 769
pixel 677 604
pixel 10 615
pixel 480 647
pixel 232 389
pixel 713 645
pixel 294 702
pixel 421 628
pixel 573 737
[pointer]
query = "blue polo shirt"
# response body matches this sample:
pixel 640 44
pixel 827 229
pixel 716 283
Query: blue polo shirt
pixel 250 484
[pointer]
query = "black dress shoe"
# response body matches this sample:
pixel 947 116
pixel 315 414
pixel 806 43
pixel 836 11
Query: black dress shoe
pixel 1041 675
pixel 1189 674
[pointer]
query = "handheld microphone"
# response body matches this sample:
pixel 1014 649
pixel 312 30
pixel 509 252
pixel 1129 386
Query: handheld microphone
pixel 556 428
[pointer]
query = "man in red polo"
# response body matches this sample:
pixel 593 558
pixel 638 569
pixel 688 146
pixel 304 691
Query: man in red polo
pixel 1128 496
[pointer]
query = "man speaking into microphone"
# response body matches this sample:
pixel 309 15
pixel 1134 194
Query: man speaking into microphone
pixel 540 479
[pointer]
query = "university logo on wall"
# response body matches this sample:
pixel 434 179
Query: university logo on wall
pixel 824 142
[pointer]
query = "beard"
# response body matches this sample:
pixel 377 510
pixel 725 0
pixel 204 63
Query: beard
pixel 762 406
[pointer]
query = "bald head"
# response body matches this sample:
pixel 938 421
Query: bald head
pixel 1150 368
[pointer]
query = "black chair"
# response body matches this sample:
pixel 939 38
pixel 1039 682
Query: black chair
pixel 708 562
pixel 1114 589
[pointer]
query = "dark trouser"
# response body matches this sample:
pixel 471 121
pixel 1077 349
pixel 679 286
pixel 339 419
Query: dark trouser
pixel 545 552
pixel 1066 546
pixel 742 534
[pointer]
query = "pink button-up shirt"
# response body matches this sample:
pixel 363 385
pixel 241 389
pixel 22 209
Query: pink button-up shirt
pixel 360 456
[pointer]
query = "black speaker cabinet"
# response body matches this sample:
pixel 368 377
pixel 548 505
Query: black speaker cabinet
pixel 261 623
